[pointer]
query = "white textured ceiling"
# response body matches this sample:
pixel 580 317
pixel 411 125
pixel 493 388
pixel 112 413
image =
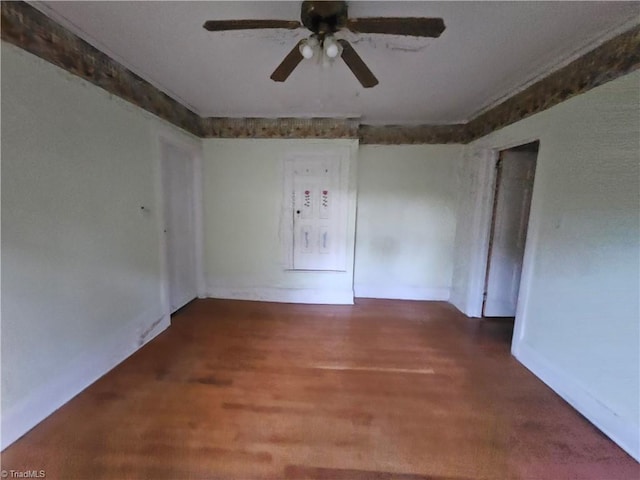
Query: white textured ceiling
pixel 488 51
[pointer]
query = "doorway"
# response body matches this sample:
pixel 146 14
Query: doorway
pixel 515 172
pixel 177 167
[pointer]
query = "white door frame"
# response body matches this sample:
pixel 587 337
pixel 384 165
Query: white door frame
pixel 481 220
pixel 506 163
pixel 193 146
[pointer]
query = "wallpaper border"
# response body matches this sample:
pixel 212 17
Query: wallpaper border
pixel 31 30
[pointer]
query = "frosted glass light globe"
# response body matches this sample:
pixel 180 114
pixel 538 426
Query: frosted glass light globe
pixel 306 51
pixel 332 50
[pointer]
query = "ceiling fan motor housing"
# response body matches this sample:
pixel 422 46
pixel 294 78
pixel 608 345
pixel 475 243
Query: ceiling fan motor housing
pixel 323 17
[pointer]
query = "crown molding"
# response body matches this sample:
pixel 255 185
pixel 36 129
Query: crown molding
pixel 31 30
pixel 556 64
pixel 614 58
pixel 27 28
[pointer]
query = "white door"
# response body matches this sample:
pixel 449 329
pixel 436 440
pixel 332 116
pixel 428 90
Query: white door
pixel 514 186
pixel 178 184
pixel 316 185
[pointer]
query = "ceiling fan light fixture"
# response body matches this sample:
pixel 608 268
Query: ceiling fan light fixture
pixel 324 19
pixel 309 47
pixel 332 49
pixel 307 51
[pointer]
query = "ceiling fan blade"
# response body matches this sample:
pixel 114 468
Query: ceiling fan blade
pixel 222 25
pixel 357 66
pixel 291 61
pixel 413 26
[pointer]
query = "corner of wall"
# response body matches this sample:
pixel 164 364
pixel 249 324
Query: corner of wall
pixel 579 397
pixel 49 397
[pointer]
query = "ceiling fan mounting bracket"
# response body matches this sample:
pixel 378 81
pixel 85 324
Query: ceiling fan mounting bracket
pixel 324 17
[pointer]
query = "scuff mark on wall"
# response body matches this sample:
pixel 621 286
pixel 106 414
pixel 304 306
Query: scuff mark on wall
pixel 143 336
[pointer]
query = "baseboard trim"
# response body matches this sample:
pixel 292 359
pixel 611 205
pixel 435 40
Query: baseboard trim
pixel 402 293
pixel 285 295
pixel 100 359
pixel 617 429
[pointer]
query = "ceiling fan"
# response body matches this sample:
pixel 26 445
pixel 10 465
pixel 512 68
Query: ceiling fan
pixel 324 19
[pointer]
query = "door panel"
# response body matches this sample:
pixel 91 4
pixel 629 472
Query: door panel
pixel 318 195
pixel 511 217
pixel 177 169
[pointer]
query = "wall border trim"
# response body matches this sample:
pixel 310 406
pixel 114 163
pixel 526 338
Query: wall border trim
pixel 222 127
pixel 614 58
pixel 412 134
pixel 28 28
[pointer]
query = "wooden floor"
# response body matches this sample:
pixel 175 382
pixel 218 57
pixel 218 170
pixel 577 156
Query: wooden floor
pixel 379 390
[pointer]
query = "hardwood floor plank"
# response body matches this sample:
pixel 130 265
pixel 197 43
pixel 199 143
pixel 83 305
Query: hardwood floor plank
pixel 378 390
pixel 319 473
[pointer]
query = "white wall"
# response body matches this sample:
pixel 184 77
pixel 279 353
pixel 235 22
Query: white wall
pixel 578 321
pixel 406 220
pixel 243 182
pixel 81 265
